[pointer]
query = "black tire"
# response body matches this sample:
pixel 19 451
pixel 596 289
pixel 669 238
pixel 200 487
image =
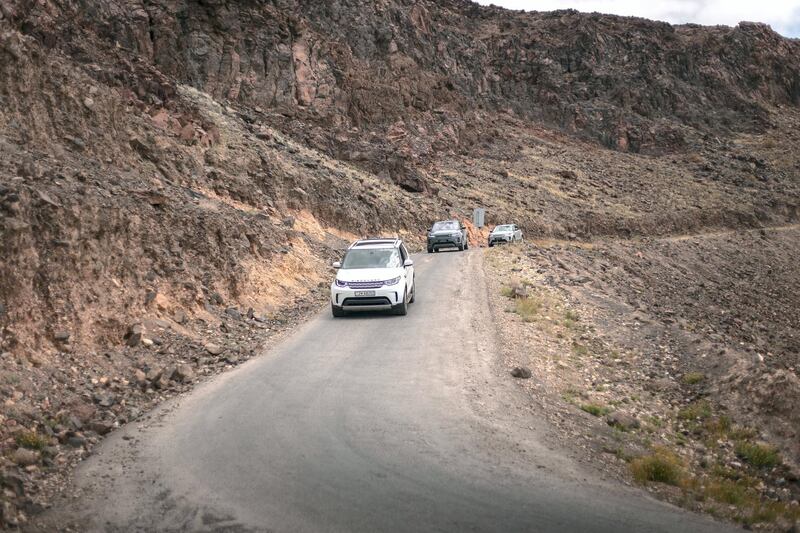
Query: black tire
pixel 461 247
pixel 401 309
pixel 430 250
pixel 338 311
pixel 491 244
pixel 413 292
pixel 466 245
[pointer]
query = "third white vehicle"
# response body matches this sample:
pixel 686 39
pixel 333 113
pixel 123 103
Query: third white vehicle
pixel 374 275
pixel 505 233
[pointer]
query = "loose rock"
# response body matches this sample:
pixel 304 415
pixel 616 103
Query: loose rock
pixel 25 457
pixel 213 349
pixel 521 372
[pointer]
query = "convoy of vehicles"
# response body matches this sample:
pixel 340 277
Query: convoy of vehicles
pixel 377 274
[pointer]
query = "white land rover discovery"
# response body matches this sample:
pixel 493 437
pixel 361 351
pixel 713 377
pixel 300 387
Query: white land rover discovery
pixel 375 274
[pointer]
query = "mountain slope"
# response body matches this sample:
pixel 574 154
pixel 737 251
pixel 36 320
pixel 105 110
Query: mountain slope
pixel 170 165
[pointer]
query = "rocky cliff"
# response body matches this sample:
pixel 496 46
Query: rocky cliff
pixel 177 174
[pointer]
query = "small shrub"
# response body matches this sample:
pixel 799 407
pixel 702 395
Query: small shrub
pixel 719 426
pixel 506 291
pixel 31 440
pixel 696 411
pixel 579 349
pixel 758 455
pixel 571 315
pixel 693 378
pixel 528 308
pixel 662 466
pixel 726 491
pixel 595 409
pixel 742 433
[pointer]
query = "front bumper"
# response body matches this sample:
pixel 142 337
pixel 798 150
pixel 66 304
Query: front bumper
pixel 444 242
pixel 383 299
pixel 496 239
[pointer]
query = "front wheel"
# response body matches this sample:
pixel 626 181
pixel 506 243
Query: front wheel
pixel 466 245
pixel 413 292
pixel 430 249
pixel 337 311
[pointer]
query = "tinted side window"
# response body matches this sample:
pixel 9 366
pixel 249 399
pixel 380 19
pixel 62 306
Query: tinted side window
pixel 403 252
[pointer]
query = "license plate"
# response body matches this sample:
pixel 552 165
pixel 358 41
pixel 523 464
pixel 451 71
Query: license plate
pixel 365 293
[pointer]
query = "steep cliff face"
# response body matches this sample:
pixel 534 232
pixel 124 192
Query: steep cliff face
pixel 633 84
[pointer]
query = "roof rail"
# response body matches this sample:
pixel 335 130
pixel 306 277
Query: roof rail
pixel 376 240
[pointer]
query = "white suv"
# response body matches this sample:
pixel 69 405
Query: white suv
pixel 375 274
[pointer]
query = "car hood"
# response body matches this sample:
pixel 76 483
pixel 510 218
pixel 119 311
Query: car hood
pixel 503 232
pixel 368 274
pixel 444 232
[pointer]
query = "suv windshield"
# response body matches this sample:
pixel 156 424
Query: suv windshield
pixel 372 258
pixel 447 225
pixel 505 227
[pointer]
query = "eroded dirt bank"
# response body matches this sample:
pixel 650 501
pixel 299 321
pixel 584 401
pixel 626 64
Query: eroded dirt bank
pixel 671 362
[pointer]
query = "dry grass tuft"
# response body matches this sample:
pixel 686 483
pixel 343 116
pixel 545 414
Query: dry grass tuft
pixel 661 466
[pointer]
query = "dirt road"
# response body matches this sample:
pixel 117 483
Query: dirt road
pixel 367 423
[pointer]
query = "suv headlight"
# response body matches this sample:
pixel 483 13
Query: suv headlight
pixel 393 281
pixel 340 283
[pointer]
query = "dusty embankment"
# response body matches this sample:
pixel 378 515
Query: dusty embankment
pixel 671 362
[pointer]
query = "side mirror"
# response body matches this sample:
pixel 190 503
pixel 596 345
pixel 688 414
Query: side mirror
pixel 337 264
pixel 408 263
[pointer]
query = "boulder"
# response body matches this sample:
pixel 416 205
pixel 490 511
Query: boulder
pixel 521 372
pixel 25 457
pixel 213 349
pixel 623 421
pixel 184 373
pixel 101 427
pixel 134 335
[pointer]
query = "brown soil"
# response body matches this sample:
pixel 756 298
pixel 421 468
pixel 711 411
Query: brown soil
pixel 677 335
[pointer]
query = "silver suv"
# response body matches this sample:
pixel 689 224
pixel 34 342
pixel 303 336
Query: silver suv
pixel 447 234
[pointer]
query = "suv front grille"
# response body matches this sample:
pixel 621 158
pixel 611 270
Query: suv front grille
pixel 358 285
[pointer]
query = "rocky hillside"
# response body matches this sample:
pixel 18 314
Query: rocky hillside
pixel 177 174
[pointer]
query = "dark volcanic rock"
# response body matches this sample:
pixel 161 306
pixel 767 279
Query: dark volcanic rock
pixel 521 372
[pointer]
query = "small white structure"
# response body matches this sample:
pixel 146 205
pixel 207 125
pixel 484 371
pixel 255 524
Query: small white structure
pixel 478 216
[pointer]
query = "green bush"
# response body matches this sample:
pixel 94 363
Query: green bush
pixel 662 466
pixel 758 455
pixel 693 378
pixel 31 440
pixel 696 411
pixel 595 409
pixel 528 308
